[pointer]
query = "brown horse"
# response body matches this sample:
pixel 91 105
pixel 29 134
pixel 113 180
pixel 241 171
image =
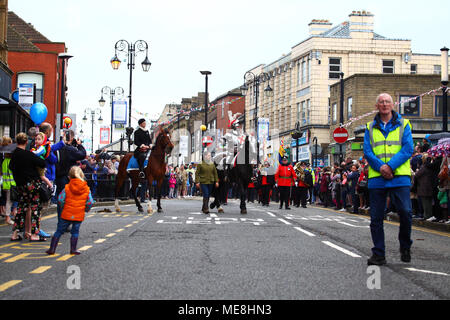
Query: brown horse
pixel 155 170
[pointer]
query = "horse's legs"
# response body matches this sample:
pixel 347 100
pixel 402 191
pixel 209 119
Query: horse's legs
pixel 243 190
pixel 119 181
pixel 158 193
pixel 149 182
pixel 135 183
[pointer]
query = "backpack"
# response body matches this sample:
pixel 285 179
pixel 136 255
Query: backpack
pixel 308 178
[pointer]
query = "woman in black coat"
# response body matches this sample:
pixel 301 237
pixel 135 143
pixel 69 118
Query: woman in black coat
pixel 424 177
pixel 24 167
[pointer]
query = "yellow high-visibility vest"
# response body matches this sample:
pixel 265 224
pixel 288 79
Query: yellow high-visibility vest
pixel 8 179
pixel 385 148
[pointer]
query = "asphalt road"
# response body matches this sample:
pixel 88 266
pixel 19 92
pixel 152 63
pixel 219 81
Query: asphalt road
pixel 181 253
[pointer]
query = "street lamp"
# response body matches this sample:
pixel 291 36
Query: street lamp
pixel 206 74
pixel 444 82
pixel 268 92
pixel 64 57
pixel 117 92
pixel 131 50
pixel 93 113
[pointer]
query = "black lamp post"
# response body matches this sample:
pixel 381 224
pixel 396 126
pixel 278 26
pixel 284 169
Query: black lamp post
pixel 296 135
pixel 206 74
pixel 112 92
pixel 268 91
pixel 63 57
pixel 315 152
pixel 93 113
pixel 444 82
pixel 131 50
pixel 341 114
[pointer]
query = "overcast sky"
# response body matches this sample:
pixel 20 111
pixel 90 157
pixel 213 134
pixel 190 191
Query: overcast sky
pixel 186 36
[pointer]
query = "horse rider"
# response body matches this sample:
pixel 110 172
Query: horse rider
pixel 143 142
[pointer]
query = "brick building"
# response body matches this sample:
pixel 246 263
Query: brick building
pixel 360 93
pixel 228 102
pixel 34 60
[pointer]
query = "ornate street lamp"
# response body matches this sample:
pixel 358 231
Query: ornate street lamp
pixel 93 113
pixel 250 77
pixel 64 57
pixel 131 49
pixel 117 92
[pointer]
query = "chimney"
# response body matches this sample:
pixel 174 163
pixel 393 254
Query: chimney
pixel 361 25
pixel 317 27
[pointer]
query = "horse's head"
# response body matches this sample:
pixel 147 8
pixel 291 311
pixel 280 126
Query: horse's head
pixel 163 141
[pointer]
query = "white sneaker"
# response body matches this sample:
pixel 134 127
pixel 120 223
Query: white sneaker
pixel 342 210
pixel 432 219
pixel 447 222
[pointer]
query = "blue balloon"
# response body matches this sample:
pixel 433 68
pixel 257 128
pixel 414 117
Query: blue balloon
pixel 38 113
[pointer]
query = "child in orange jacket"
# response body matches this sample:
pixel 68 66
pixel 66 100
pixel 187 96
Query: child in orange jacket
pixel 75 201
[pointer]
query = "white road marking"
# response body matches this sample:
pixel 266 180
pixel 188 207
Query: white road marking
pixel 351 225
pixel 305 232
pixel 354 255
pixel 214 215
pixel 270 214
pixel 285 222
pixel 427 271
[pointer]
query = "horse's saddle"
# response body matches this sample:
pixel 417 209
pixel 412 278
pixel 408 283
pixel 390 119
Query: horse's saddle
pixel 133 163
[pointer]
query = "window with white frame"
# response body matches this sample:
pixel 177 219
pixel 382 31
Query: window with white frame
pixel 334 113
pixel 349 107
pixel 309 71
pixel 303 112
pixel 388 66
pixel 414 69
pixel 299 72
pixel 33 78
pixel 308 111
pixel 437 69
pixel 298 112
pixel 409 107
pixel 334 68
pixel 304 71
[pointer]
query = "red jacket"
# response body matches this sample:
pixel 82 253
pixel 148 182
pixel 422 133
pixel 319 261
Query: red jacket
pixel 77 193
pixel 285 176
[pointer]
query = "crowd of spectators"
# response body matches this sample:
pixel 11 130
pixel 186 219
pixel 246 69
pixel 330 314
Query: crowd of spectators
pixel 343 186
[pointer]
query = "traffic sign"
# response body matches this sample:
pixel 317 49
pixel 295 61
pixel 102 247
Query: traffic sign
pixel 340 135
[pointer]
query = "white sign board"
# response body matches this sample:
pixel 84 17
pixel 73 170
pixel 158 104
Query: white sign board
pixel 26 95
pixel 119 112
pixel 184 145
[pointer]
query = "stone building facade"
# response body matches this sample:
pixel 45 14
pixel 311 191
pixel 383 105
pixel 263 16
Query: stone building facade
pixel 360 93
pixel 301 79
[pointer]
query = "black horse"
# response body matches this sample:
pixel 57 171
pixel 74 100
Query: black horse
pixel 240 172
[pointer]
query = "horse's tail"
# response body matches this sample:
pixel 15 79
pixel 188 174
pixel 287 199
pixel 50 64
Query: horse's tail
pixel 122 173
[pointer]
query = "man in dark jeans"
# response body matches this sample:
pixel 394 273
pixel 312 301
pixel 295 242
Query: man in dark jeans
pixel 68 156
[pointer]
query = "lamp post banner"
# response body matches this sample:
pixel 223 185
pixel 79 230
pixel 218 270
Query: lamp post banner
pixel 119 112
pixel 104 135
pixel 263 129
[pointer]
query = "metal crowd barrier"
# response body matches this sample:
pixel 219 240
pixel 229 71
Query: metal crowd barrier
pixel 103 188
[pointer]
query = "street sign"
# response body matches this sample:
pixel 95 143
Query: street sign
pixel 340 135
